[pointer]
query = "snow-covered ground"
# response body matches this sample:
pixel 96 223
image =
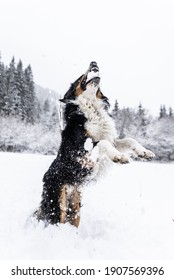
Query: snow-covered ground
pixel 129 214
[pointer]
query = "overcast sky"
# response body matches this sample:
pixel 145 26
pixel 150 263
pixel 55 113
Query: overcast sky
pixel 132 42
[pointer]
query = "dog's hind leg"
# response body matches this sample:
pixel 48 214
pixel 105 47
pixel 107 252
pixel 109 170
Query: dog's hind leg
pixel 74 208
pixel 63 204
pixel 69 201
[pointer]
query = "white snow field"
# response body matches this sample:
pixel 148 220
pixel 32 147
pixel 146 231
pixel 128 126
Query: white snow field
pixel 129 214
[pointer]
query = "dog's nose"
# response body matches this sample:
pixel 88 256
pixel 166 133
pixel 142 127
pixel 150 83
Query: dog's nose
pixel 93 67
pixel 93 64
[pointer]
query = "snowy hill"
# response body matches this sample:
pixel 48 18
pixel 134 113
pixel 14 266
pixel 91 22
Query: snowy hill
pixel 44 94
pixel 129 214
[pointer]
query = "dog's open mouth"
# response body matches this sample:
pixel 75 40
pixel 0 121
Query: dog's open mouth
pixel 92 74
pixel 89 81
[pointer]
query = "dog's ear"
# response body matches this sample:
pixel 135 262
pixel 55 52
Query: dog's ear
pixel 63 100
pixel 105 100
pixel 69 95
pixel 73 91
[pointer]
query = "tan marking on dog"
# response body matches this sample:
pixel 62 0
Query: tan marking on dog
pixel 87 133
pixel 63 205
pixel 69 201
pixel 99 94
pixel 75 208
pixel 79 90
pixel 86 162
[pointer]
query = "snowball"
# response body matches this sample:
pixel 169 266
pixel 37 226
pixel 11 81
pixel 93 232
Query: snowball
pixel 88 144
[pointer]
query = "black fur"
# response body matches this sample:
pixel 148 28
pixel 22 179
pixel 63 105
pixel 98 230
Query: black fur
pixel 68 168
pixel 65 169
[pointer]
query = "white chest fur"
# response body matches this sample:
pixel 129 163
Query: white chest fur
pixel 99 124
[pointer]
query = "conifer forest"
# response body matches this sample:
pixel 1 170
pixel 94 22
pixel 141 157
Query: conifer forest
pixel 30 119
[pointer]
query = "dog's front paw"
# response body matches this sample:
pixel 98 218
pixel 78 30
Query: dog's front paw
pixel 121 158
pixel 143 153
pixel 149 155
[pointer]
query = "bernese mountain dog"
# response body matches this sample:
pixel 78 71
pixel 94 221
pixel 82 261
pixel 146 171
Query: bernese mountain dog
pixel 88 139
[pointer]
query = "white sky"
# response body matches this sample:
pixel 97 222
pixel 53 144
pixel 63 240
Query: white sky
pixel 131 40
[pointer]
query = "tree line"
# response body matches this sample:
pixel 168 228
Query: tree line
pixel 155 133
pixel 20 101
pixel 135 121
pixel 18 96
pixel 17 93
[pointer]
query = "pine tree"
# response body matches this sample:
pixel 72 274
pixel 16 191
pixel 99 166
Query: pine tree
pixel 115 109
pixel 19 94
pixel 163 113
pixel 170 112
pixel 141 121
pixel 3 96
pixel 10 86
pixel 140 109
pixel 30 96
pixel 142 115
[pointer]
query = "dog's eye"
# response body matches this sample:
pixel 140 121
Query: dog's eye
pixel 83 84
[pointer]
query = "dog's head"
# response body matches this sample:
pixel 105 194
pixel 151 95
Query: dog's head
pixel 90 81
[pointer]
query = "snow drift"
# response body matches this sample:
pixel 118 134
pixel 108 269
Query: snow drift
pixel 128 214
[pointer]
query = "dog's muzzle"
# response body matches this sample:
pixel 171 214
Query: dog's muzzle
pixel 92 75
pixel 93 67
